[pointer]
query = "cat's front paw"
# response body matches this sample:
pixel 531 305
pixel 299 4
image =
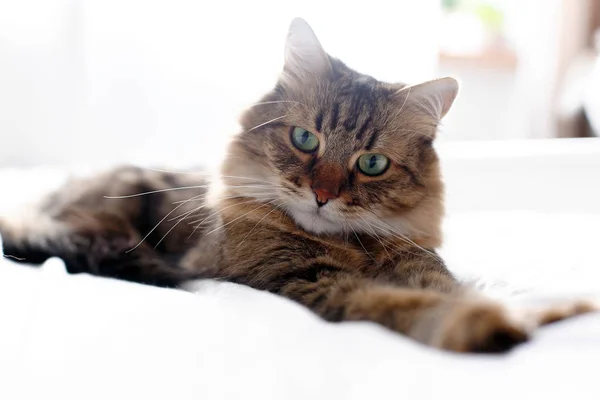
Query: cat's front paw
pixel 480 328
pixel 493 328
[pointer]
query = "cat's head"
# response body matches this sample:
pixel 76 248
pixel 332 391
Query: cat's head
pixel 341 152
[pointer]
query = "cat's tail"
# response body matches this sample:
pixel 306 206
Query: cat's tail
pixel 107 247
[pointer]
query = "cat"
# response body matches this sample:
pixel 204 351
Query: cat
pixel 331 196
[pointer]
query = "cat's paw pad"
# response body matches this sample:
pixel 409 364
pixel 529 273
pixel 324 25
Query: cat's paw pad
pixel 481 328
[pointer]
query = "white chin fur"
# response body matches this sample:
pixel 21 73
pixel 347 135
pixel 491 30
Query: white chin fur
pixel 312 219
pixel 315 223
pixel 324 221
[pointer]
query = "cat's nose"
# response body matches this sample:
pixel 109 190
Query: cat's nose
pixel 323 196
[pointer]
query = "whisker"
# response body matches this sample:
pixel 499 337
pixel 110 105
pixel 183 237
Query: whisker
pixel 233 196
pixel 187 213
pixel 261 220
pixel 236 195
pixel 241 216
pixel 376 235
pixel 265 123
pixel 361 245
pixel 391 244
pixel 345 232
pixel 155 226
pixel 176 172
pixel 388 230
pixel 209 173
pixel 177 188
pixel 169 231
pixel 216 175
pixel 250 178
pixel 275 102
pixel 404 103
pixel 156 191
pixel 185 201
pixel 225 208
pixel 219 210
pixel 249 186
pixel 214 214
pixel 204 205
pixel 400 236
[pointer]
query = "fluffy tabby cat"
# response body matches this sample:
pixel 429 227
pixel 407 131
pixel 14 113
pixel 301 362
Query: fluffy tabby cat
pixel 331 196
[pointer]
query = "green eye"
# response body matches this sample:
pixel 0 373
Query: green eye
pixel 372 164
pixel 304 140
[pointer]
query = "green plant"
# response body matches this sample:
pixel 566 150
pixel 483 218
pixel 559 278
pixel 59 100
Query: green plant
pixel 491 16
pixel 449 5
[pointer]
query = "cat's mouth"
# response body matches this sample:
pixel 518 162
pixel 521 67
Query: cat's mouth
pixel 316 219
pixel 320 212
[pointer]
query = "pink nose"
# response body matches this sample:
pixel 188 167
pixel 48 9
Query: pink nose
pixel 323 196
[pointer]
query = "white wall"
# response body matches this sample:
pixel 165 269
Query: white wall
pixel 543 175
pixel 487 107
pixel 102 81
pixel 40 79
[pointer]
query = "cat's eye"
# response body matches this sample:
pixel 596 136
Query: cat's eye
pixel 304 140
pixel 372 164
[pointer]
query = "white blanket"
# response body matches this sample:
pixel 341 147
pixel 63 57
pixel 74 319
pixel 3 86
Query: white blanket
pixel 82 337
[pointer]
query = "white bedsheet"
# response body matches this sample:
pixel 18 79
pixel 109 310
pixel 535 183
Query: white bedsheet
pixel 83 337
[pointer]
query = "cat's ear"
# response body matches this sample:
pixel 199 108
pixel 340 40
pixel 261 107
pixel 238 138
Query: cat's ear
pixel 304 55
pixel 436 96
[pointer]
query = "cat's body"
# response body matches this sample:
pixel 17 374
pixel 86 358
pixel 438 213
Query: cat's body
pixel 331 196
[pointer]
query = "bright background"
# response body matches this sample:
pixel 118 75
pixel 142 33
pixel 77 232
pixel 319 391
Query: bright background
pixel 106 81
pixel 90 82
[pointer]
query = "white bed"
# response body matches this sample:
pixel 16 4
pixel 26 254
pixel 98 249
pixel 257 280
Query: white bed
pixel 524 222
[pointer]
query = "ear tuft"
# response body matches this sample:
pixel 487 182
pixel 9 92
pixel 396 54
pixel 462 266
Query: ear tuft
pixel 304 55
pixel 437 95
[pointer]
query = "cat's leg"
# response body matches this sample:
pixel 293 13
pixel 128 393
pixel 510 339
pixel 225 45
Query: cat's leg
pixel 95 229
pixel 431 317
pixel 453 320
pixel 489 318
pixel 462 323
